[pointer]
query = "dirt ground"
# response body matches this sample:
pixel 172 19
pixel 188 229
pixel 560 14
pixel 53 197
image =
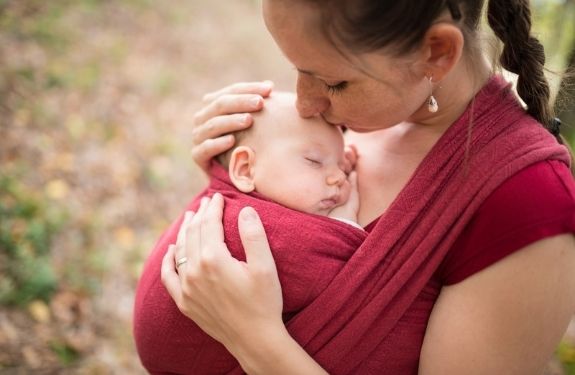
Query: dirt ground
pixel 101 132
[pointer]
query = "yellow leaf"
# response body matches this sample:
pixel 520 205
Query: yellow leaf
pixel 76 126
pixel 39 311
pixel 125 236
pixel 57 189
pixel 65 161
pixel 22 117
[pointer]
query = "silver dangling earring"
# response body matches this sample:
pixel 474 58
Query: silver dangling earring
pixel 432 105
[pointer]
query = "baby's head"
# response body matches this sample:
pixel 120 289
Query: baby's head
pixel 296 162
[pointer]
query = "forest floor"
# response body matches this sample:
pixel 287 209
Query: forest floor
pixel 96 105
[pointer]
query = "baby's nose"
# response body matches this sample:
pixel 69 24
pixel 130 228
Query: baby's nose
pixel 336 178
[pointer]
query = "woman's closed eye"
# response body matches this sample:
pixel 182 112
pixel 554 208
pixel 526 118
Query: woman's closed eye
pixel 335 88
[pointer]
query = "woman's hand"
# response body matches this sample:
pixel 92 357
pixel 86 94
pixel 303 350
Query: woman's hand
pixel 237 303
pixel 225 111
pixel 232 301
pixel 350 208
pixel 350 154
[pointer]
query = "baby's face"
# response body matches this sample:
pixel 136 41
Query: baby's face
pixel 299 162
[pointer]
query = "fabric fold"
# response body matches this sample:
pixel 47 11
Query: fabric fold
pixel 309 251
pixel 490 142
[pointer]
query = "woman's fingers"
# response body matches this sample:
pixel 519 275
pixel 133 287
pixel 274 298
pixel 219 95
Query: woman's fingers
pixel 193 234
pixel 224 124
pixel 181 256
pixel 210 148
pixel 350 153
pixel 169 275
pixel 260 88
pixel 228 104
pixel 354 191
pixel 255 242
pixel 226 111
pixel 352 178
pixel 261 265
pixel 212 226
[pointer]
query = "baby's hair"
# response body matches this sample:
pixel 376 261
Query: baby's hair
pixel 240 136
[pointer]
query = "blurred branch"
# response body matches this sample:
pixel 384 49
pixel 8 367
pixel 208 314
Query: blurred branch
pixel 564 103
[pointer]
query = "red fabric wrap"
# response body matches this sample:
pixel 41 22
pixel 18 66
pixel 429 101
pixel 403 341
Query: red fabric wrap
pixel 309 251
pixel 357 314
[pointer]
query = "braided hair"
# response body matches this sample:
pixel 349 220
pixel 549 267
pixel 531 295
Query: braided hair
pixel 523 55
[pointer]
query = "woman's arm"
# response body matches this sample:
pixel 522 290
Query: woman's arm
pixel 506 319
pixel 237 303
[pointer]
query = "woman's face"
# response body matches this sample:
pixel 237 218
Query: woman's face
pixel 337 87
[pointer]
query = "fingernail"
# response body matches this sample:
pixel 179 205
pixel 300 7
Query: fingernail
pixel 227 139
pixel 248 214
pixel 255 102
pixel 244 118
pixel 204 202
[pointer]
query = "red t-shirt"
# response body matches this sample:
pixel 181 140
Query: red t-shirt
pixel 536 203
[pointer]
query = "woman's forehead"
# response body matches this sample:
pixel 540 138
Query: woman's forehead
pixel 298 34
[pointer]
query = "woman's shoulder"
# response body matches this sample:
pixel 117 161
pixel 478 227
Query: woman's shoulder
pixel 536 203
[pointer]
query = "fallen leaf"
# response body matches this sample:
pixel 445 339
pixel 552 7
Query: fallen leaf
pixel 39 311
pixel 124 236
pixel 57 189
pixel 31 357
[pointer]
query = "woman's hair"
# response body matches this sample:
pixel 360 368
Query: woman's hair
pixel 400 26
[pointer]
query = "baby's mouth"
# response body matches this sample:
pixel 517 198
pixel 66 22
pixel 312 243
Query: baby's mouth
pixel 328 203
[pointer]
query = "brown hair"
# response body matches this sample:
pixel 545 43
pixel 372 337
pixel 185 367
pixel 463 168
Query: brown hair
pixel 399 26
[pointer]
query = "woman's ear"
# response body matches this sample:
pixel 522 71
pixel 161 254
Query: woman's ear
pixel 442 48
pixel 241 169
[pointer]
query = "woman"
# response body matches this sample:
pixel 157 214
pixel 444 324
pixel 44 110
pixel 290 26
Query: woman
pixel 470 202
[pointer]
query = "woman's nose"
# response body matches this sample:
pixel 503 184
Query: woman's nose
pixel 311 99
pixel 337 177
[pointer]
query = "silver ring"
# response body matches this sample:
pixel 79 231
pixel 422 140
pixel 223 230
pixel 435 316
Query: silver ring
pixel 181 261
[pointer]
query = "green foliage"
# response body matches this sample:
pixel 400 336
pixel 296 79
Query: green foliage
pixel 66 354
pixel 26 229
pixel 33 20
pixel 566 354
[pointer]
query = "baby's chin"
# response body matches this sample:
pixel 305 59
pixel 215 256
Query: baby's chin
pixel 321 208
pixel 316 209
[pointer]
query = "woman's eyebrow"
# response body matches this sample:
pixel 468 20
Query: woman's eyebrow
pixel 315 74
pixel 308 72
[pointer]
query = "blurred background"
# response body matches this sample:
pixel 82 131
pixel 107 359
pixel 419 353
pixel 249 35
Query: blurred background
pixel 96 106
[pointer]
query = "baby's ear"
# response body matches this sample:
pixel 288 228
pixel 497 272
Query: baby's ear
pixel 241 168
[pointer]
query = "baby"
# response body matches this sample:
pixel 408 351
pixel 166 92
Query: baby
pixel 296 162
pixel 291 171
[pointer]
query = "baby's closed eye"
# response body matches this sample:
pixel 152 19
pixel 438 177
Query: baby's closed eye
pixel 313 161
